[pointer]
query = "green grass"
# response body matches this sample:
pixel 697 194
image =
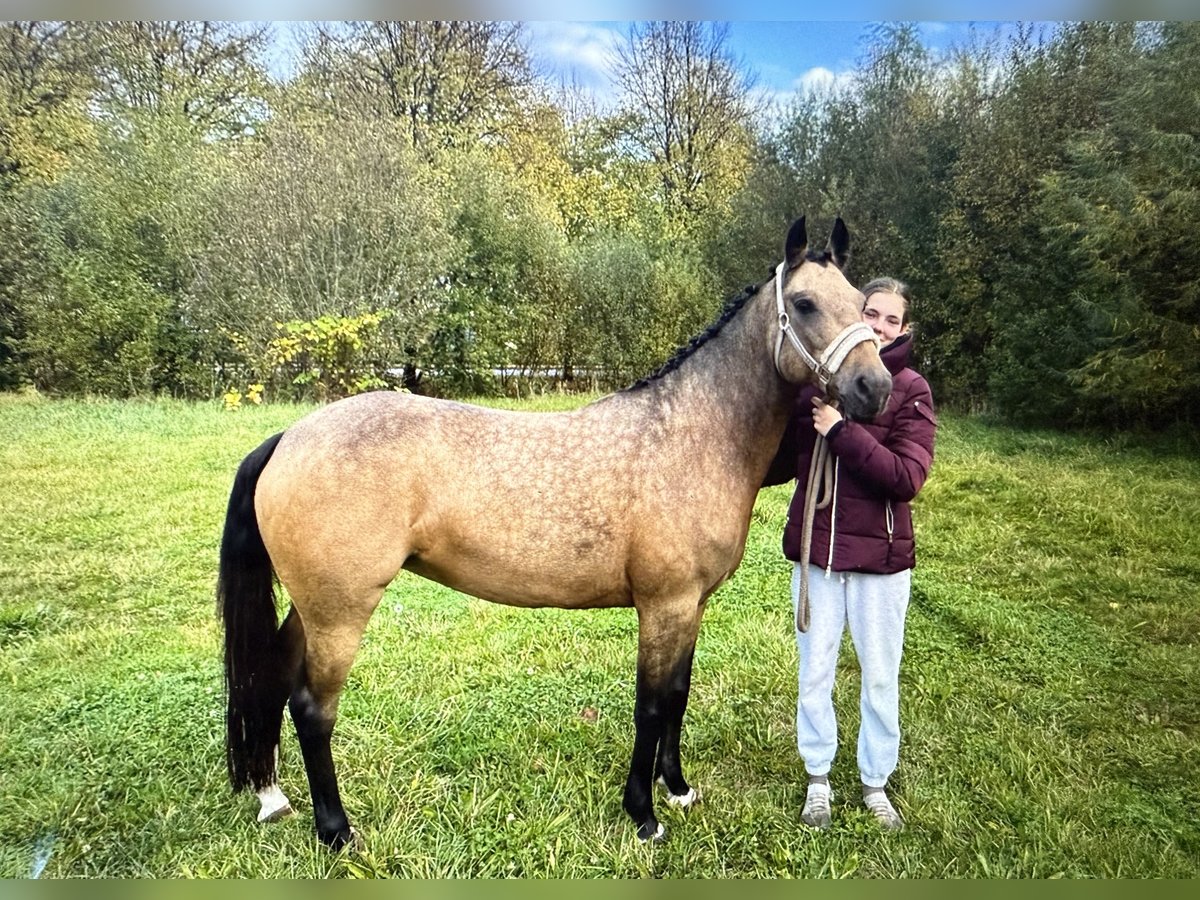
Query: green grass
pixel 1049 693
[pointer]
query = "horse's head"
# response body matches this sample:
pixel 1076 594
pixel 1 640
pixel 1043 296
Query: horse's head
pixel 821 336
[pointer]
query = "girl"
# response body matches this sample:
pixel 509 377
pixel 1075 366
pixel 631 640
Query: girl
pixel 860 565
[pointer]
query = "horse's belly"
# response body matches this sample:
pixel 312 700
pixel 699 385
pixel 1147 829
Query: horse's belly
pixel 559 584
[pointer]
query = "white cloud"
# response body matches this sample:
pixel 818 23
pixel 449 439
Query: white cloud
pixel 575 52
pixel 820 79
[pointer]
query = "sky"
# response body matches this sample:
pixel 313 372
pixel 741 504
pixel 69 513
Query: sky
pixel 570 39
pixel 785 56
pixel 603 10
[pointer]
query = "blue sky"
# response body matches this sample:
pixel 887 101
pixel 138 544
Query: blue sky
pixel 784 55
pixel 571 37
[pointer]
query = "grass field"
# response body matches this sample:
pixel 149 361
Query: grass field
pixel 1049 687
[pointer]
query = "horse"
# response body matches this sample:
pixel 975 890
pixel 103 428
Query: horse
pixel 640 498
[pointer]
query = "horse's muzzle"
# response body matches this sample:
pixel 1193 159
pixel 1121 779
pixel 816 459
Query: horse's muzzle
pixel 865 395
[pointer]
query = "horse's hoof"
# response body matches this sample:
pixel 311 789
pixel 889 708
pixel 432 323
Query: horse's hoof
pixel 684 801
pixel 273 804
pixel 651 831
pixel 274 815
pixel 340 839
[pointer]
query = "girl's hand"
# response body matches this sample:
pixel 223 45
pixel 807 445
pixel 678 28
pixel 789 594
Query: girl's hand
pixel 824 416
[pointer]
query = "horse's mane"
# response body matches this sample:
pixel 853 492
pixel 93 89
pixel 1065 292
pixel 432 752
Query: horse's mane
pixel 731 308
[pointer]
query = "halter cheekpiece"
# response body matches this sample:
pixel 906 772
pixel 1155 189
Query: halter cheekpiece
pixel 837 351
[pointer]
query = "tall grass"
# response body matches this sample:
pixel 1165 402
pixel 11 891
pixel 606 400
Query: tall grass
pixel 1049 696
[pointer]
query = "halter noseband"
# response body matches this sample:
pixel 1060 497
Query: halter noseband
pixel 837 351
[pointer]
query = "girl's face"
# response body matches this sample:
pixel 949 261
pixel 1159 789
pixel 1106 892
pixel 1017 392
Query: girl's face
pixel 884 312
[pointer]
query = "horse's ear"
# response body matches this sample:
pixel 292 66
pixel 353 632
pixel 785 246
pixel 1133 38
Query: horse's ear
pixel 797 244
pixel 839 244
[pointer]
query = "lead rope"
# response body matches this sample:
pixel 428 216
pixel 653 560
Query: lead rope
pixel 818 495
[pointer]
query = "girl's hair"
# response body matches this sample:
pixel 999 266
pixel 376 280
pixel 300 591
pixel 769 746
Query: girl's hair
pixel 892 286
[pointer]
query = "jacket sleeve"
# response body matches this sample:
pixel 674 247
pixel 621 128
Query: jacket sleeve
pixel 796 446
pixel 898 466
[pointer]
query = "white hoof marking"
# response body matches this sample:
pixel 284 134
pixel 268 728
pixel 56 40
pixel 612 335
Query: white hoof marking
pixel 274 804
pixel 683 801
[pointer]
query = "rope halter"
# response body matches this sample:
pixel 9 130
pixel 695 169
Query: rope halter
pixel 837 351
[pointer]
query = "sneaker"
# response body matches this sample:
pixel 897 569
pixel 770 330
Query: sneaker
pixel 881 807
pixel 816 805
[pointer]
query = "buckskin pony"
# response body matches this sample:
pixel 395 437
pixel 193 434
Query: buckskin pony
pixel 641 498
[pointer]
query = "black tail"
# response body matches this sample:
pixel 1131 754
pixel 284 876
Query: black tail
pixel 246 601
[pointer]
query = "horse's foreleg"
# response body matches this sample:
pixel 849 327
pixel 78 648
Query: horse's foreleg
pixel 669 768
pixel 647 720
pixel 666 641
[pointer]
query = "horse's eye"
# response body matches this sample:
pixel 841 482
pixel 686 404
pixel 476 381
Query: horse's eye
pixel 804 305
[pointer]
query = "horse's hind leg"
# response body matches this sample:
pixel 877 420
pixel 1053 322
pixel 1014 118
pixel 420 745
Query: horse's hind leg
pixel 329 652
pixel 666 642
pixel 289 651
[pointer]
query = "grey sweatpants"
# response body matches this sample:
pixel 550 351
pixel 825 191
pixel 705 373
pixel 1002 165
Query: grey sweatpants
pixel 875 607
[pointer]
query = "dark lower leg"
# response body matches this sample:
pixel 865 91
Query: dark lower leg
pixel 289 661
pixel 314 730
pixel 669 766
pixel 648 720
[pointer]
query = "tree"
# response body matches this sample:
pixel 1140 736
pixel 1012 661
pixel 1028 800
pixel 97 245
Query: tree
pixel 44 84
pixel 511 300
pixel 209 72
pixel 1127 208
pixel 1023 302
pixel 897 157
pixel 111 232
pixel 877 152
pixel 690 111
pixel 115 128
pixel 447 82
pixel 321 221
pixel 45 79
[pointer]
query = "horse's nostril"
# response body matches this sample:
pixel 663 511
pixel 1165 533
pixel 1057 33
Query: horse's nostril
pixel 871 392
pixel 867 388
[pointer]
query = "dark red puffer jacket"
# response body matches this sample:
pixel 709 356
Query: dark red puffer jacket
pixel 881 465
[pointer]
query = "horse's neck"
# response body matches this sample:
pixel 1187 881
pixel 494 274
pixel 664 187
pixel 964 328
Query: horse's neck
pixel 729 384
